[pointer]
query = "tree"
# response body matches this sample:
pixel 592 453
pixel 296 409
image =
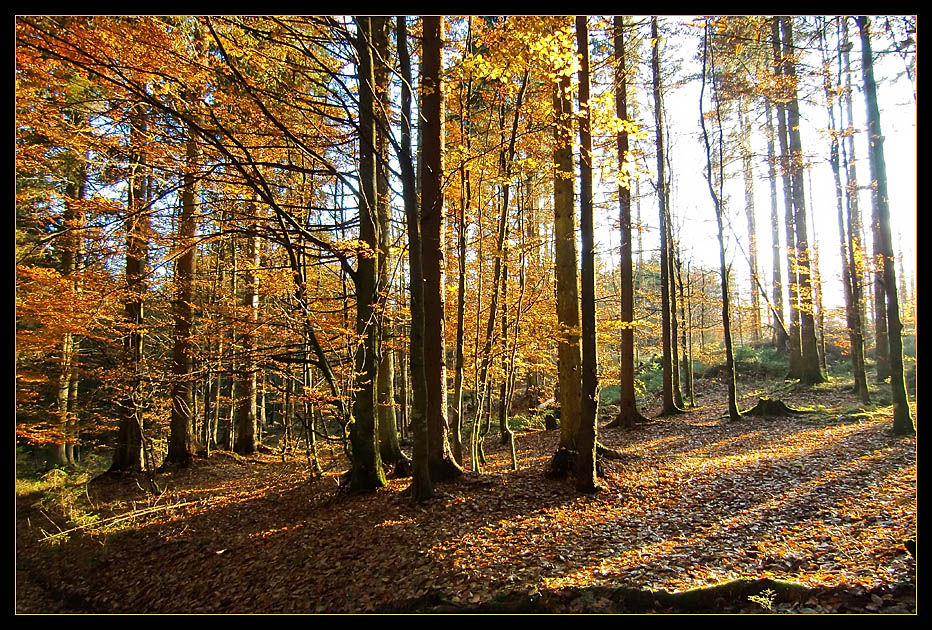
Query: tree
pixel 628 413
pixel 443 466
pixel 902 418
pixel 565 262
pixel 586 441
pixel 366 473
pixel 181 443
pixel 666 304
pixel 733 412
pixel 809 369
pixel 128 454
pixel 390 449
pixel 421 485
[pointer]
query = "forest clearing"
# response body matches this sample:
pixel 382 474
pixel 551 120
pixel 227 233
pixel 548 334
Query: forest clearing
pixel 455 314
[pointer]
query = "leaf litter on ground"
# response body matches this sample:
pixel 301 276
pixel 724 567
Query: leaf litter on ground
pixel 825 501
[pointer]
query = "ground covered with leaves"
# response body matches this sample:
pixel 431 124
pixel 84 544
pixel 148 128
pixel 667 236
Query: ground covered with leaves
pixel 808 513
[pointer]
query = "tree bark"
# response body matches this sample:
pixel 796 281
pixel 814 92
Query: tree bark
pixel 902 418
pixel 809 371
pixel 366 473
pixel 669 403
pixel 628 413
pixel 181 443
pixel 128 455
pixel 421 484
pixel 586 441
pixel 565 261
pixel 443 466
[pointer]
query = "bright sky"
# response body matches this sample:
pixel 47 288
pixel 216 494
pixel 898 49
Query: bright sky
pixel 693 207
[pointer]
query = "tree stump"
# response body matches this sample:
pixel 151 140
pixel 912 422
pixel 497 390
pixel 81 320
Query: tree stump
pixel 563 464
pixel 767 407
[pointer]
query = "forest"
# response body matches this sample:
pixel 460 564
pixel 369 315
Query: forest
pixel 465 314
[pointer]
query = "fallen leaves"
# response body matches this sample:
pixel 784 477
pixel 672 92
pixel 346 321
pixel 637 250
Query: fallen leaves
pixel 697 502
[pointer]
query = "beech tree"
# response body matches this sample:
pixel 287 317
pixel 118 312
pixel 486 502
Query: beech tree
pixel 586 439
pixel 628 413
pixel 902 418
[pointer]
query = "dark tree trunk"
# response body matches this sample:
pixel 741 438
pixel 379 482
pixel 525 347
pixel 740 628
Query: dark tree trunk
pixel 181 445
pixel 809 370
pixel 366 473
pixel 902 418
pixel 246 441
pixel 669 403
pixel 442 465
pixel 421 484
pixel 628 413
pixel 128 455
pixel 565 262
pixel 586 441
pixel 389 448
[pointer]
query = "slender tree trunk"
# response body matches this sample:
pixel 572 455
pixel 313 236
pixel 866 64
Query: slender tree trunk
pixel 792 275
pixel 780 338
pixel 748 166
pixel 733 412
pixel 628 413
pixel 586 480
pixel 564 227
pixel 247 403
pixel 669 403
pixel 810 370
pixel 443 466
pixel 390 449
pixel 62 452
pixel 181 443
pixel 128 455
pixel 902 418
pixel 366 473
pixel 849 272
pixel 421 485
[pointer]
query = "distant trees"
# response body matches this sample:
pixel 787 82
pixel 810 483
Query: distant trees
pixel 220 237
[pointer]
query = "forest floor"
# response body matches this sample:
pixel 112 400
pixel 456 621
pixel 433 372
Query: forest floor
pixel 824 501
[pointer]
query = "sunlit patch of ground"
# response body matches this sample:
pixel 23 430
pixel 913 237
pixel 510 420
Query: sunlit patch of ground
pixel 697 500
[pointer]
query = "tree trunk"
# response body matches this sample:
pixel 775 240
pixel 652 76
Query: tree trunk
pixel 733 412
pixel 849 271
pixel 902 418
pixel 792 275
pixel 366 473
pixel 780 338
pixel 669 403
pixel 628 413
pixel 181 436
pixel 128 455
pixel 389 448
pixel 809 370
pixel 748 167
pixel 443 466
pixel 246 442
pixel 588 422
pixel 564 232
pixel 421 484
